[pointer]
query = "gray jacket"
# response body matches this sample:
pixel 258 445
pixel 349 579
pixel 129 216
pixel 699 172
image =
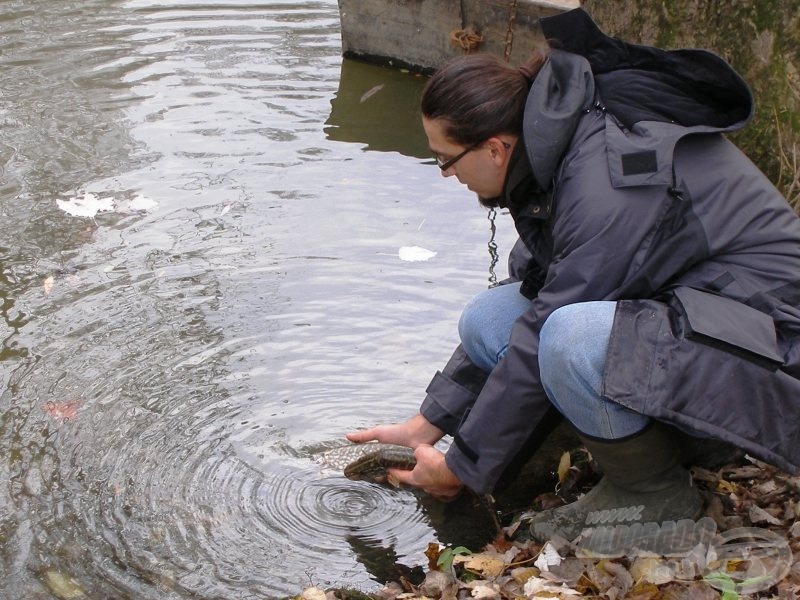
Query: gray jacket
pixel 625 189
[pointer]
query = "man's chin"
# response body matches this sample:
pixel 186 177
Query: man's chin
pixel 489 202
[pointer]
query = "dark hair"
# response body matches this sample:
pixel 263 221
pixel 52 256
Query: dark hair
pixel 479 96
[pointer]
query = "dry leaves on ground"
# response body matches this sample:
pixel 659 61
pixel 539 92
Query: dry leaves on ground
pixel 756 509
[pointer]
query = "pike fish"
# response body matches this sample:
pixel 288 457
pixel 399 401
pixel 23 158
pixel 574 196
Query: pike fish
pixel 370 461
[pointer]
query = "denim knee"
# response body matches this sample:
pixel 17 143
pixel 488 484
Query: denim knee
pixel 473 328
pixel 573 341
pixel 486 322
pixel 572 353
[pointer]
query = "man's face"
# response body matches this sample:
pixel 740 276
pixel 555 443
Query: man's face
pixel 482 169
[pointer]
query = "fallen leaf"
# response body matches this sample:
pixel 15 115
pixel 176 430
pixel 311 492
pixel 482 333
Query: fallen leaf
pixel 142 203
pixel 701 474
pixel 644 591
pixel 313 593
pixel 391 591
pixel 87 205
pixel 745 472
pixel 794 530
pixel 62 410
pixel 415 254
pixel 483 591
pixel 694 590
pixel 759 515
pixel 563 467
pixel 48 285
pixel 63 586
pixel 768 487
pixel 535 586
pixel 432 552
pixel 371 92
pixel 436 584
pixel 651 570
pixel 726 486
pixel 522 574
pixel 488 566
pixel 549 557
pixel 622 580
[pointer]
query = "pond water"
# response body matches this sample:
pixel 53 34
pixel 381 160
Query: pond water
pixel 202 289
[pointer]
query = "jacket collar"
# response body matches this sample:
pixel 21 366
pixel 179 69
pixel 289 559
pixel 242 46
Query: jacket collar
pixel 562 91
pixel 522 194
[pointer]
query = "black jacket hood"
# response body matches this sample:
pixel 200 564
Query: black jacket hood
pixel 698 86
pixel 653 96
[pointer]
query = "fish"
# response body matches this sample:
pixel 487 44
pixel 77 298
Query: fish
pixel 370 461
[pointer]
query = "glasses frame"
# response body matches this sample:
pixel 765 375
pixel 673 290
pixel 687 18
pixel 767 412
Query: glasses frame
pixel 449 163
pixel 444 166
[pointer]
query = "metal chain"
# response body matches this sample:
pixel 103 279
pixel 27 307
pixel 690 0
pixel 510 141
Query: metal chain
pixel 512 17
pixel 492 248
pixel 492 214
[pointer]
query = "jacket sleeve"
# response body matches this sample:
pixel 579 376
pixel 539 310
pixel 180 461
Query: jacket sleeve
pixel 598 238
pixel 452 392
pixel 518 261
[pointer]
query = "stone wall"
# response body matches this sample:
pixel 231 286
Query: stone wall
pixel 760 38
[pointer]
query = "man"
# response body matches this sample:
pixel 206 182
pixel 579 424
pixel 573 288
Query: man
pixel 655 290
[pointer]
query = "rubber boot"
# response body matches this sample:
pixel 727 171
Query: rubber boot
pixel 707 453
pixel 643 482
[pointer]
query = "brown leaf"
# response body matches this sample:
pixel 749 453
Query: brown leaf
pixel 694 590
pixel 48 285
pixel 62 410
pixel 436 584
pixel 745 472
pixel 726 486
pixel 794 483
pixel 768 487
pixel 622 580
pixel 701 474
pixel 390 591
pixel 651 570
pixel 433 552
pixel 759 515
pixel 644 591
pixel 548 500
pixel 563 467
pixel 482 564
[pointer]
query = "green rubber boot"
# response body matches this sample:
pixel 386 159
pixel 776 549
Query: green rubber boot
pixel 643 482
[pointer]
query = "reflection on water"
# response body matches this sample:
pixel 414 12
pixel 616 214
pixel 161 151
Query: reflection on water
pixel 169 366
pixel 378 107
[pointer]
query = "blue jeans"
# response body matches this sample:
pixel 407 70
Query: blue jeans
pixel 572 355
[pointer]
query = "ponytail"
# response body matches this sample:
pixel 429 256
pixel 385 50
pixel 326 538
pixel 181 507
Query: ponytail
pixel 478 96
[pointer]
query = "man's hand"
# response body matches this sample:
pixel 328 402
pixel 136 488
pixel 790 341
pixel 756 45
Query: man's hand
pixel 417 430
pixel 432 475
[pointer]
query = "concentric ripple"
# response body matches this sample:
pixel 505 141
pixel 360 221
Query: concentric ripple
pixel 324 509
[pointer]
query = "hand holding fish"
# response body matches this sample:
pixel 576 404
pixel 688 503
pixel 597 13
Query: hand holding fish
pixel 431 474
pixel 417 430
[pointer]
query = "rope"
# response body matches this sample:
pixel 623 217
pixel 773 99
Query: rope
pixel 466 39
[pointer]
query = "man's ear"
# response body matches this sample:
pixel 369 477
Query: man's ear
pixel 499 150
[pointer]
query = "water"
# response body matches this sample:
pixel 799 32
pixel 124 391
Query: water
pixel 171 367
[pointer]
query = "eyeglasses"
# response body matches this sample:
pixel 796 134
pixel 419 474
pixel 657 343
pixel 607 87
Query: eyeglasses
pixel 449 163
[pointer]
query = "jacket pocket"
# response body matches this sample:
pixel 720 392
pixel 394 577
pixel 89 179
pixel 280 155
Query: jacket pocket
pixel 730 326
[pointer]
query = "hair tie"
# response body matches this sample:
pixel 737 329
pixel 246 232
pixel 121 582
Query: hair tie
pixel 526 72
